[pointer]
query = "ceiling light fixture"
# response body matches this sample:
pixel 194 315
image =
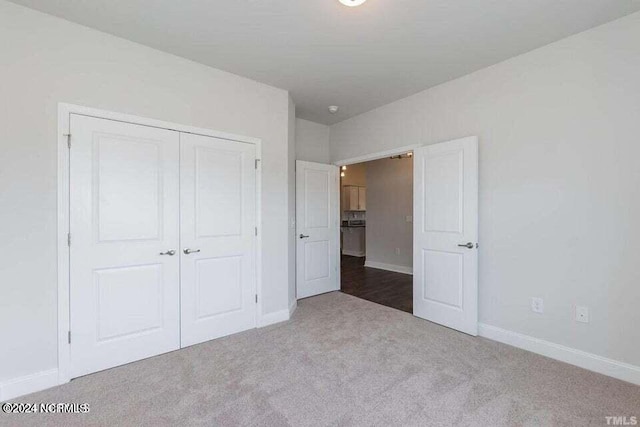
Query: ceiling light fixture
pixel 333 109
pixel 352 3
pixel 344 168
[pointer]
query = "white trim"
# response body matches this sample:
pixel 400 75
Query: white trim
pixel 358 254
pixel 592 362
pixel 273 318
pixel 144 121
pixel 292 307
pixel 389 267
pixel 377 155
pixel 28 384
pixel 63 372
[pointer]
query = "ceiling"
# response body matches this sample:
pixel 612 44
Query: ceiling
pixel 327 54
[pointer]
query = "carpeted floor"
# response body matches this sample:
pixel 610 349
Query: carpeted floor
pixel 343 361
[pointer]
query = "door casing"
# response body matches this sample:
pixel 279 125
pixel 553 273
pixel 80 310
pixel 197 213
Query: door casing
pixel 63 207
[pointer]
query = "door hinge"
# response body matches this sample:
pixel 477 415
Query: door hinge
pixel 256 298
pixel 69 239
pixel 257 160
pixel 256 230
pixel 69 337
pixel 68 135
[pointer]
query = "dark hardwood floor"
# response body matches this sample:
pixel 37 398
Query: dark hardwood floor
pixel 380 286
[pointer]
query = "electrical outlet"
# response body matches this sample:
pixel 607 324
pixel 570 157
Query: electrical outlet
pixel 537 305
pixel 408 218
pixel 582 314
pixel 397 251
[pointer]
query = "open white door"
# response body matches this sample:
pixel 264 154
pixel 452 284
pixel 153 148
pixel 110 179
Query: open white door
pixel 445 254
pixel 318 229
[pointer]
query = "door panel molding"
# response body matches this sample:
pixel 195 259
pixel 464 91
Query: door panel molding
pixel 65 112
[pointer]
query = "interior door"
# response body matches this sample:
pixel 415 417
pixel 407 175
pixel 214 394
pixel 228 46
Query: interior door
pixel 218 233
pixel 318 229
pixel 124 276
pixel 445 254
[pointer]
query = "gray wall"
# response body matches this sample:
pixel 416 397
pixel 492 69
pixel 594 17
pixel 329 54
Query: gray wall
pixel 389 202
pixel 559 181
pixel 291 149
pixel 46 60
pixel 312 141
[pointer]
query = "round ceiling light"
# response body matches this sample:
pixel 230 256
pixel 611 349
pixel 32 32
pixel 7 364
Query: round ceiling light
pixel 352 3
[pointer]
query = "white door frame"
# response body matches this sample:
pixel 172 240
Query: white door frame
pixel 63 249
pixel 378 155
pixel 361 159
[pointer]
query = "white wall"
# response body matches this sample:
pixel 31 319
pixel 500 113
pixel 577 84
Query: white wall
pixel 312 141
pixel 389 202
pixel 46 60
pixel 559 181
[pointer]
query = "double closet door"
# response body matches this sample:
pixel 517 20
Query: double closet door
pixel 162 241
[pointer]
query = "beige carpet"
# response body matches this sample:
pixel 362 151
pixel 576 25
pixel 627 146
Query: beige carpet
pixel 343 361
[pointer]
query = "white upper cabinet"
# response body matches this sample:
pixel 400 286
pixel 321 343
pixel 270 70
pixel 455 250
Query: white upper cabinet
pixel 354 198
pixel 362 199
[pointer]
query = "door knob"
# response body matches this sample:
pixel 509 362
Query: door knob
pixel 190 251
pixel 302 236
pixel 467 245
pixel 170 253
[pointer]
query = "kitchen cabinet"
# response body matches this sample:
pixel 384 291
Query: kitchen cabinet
pixel 354 198
pixel 353 241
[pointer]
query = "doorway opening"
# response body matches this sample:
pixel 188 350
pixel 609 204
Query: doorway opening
pixel 376 233
pixel 441 239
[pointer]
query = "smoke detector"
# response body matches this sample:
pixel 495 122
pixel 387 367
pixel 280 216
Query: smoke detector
pixel 333 109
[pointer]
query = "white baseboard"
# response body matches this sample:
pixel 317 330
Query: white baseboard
pixel 389 267
pixel 292 307
pixel 28 384
pixel 592 362
pixel 353 253
pixel 273 318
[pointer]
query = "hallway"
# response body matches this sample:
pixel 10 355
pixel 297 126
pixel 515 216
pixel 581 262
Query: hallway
pixel 383 287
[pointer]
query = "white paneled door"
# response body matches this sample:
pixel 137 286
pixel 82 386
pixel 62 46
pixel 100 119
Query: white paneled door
pixel 445 255
pixel 218 231
pixel 124 222
pixel 163 241
pixel 318 229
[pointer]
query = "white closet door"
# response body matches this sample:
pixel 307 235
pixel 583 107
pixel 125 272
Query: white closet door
pixel 124 214
pixel 218 220
pixel 318 228
pixel 445 254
